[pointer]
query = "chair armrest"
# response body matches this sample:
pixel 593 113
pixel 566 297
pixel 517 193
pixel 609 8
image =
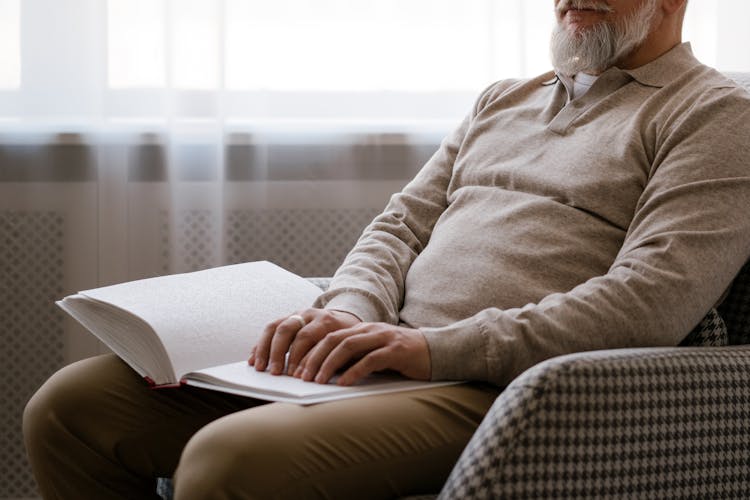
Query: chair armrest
pixel 651 422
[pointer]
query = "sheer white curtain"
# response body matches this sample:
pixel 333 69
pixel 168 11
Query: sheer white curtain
pixel 394 61
pixel 162 108
pixel 165 130
pixel 296 60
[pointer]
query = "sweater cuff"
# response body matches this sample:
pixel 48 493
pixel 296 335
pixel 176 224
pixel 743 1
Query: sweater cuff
pixel 457 351
pixel 352 303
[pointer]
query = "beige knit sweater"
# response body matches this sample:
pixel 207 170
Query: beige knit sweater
pixel 543 227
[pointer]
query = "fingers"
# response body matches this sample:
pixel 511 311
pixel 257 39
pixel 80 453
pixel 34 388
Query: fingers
pixel 367 347
pixel 281 340
pixel 260 352
pixel 343 347
pixel 303 342
pixel 375 361
pixel 337 350
pixel 320 324
pixel 296 334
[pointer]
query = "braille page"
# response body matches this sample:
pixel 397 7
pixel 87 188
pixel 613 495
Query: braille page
pixel 240 378
pixel 211 317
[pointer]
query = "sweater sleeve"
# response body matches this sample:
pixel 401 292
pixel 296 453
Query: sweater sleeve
pixel 689 236
pixel 370 282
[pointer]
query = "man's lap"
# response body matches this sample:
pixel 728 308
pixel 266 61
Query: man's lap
pixel 379 446
pixel 396 444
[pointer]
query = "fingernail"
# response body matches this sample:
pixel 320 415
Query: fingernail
pixel 290 370
pixel 260 365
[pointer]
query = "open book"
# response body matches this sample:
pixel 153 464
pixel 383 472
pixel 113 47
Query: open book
pixel 198 328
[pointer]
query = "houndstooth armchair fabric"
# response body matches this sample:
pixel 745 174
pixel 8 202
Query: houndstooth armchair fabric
pixel 636 423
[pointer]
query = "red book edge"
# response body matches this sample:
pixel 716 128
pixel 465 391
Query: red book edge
pixel 153 385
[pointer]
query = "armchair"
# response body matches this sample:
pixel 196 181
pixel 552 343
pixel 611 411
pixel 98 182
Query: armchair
pixel 651 422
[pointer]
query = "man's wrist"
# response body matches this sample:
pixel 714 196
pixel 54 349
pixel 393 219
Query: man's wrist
pixel 355 304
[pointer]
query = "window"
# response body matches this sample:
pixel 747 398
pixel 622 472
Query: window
pixel 718 30
pixel 335 45
pixel 136 43
pixel 348 60
pixel 324 45
pixel 10 44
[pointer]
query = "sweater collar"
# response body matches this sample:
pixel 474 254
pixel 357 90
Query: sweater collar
pixel 658 72
pixel 666 68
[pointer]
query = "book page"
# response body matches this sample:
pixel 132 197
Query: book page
pixel 211 317
pixel 240 378
pixel 128 336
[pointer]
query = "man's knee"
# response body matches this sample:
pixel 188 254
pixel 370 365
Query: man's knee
pixel 64 399
pixel 37 416
pixel 217 463
pixel 52 403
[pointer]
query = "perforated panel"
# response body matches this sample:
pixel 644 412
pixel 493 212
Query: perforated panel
pixel 31 253
pixel 195 241
pixel 306 242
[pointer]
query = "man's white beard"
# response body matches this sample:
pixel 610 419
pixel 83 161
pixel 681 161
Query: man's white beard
pixel 596 48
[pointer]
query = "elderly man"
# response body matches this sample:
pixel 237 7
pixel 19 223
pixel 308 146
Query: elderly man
pixel 594 207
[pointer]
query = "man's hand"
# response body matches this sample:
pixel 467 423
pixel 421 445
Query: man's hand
pixel 289 334
pixel 371 347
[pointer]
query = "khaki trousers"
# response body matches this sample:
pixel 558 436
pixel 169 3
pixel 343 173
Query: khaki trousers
pixel 96 430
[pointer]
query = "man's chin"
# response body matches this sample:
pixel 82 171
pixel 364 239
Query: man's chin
pixel 579 29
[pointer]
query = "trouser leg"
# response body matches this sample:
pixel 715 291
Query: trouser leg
pixel 96 430
pixel 372 447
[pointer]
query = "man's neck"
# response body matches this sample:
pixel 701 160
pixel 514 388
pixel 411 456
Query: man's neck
pixel 641 56
pixel 666 35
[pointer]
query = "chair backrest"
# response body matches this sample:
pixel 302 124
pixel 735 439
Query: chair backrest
pixel 735 310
